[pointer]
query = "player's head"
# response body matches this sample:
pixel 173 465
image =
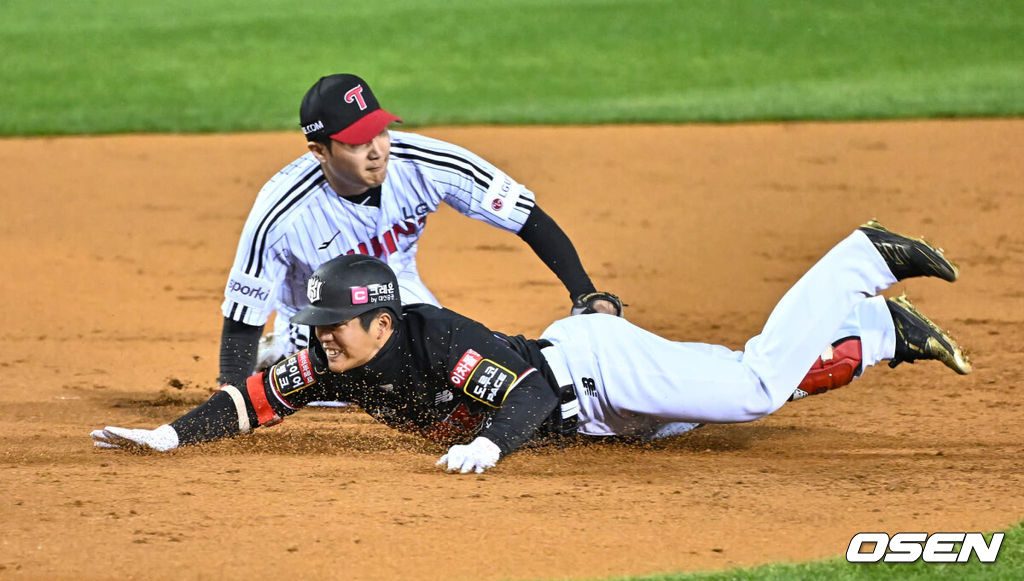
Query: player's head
pixel 342 108
pixel 346 287
pixel 346 130
pixel 353 304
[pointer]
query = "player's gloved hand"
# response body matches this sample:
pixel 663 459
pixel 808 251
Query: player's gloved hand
pixel 477 456
pixel 161 439
pixel 599 302
pixel 270 350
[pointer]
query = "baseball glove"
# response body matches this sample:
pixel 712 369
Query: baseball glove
pixel 584 304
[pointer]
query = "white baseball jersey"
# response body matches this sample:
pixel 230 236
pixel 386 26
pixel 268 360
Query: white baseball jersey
pixel 632 382
pixel 298 222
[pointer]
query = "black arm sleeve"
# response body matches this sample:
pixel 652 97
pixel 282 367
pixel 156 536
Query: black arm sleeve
pixel 238 343
pixel 553 247
pixel 212 420
pixel 524 410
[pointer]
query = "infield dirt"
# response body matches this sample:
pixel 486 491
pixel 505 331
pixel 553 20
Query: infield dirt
pixel 116 251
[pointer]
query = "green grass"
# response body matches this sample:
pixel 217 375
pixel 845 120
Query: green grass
pixel 84 66
pixel 1009 566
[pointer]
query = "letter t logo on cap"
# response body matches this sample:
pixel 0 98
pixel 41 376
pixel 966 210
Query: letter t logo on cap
pixel 355 95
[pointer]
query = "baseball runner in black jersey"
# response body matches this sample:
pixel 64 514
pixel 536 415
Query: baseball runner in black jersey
pixel 433 372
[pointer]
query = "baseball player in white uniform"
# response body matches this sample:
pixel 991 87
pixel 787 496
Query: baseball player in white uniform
pixel 364 189
pixel 436 373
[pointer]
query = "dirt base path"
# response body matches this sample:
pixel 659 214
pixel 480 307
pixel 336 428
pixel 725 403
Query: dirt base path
pixel 116 250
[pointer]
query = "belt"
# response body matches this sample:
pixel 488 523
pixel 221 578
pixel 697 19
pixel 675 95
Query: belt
pixel 570 405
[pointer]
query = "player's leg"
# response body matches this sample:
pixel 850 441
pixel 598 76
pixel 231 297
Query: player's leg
pixel 630 381
pixel 871 258
pixel 811 313
pixel 630 375
pixel 865 338
pixel 881 329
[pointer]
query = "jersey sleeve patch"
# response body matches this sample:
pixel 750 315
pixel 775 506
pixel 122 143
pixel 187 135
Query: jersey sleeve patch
pixel 502 196
pixel 248 290
pixel 292 374
pixel 467 363
pixel 482 379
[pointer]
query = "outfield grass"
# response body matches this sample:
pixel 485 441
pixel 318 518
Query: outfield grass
pixel 83 66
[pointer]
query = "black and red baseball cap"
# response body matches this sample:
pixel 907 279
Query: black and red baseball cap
pixel 343 108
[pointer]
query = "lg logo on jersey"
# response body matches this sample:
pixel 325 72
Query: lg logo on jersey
pixel 934 548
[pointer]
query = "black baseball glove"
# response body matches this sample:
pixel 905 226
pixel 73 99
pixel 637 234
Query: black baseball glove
pixel 584 304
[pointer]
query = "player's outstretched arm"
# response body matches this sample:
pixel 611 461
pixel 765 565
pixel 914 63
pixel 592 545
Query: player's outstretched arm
pixel 230 412
pixel 217 418
pixel 550 243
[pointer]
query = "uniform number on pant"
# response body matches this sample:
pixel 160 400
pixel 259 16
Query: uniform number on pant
pixel 589 386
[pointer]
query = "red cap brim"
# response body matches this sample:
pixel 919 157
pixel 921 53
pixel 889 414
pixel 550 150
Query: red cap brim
pixel 364 130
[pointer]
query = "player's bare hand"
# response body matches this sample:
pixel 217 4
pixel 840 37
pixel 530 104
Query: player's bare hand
pixel 477 456
pixel 161 439
pixel 606 307
pixel 597 302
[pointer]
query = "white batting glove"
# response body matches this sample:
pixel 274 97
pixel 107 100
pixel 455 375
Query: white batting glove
pixel 161 439
pixel 477 456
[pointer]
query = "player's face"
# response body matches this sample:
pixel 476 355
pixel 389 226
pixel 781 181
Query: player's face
pixel 353 169
pixel 348 345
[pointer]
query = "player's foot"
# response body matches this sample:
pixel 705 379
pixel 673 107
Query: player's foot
pixel 908 257
pixel 919 338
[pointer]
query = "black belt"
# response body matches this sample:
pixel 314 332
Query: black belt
pixel 568 402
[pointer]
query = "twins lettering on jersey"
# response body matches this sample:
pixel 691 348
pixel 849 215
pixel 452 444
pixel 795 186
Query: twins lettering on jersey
pixel 389 241
pixel 413 219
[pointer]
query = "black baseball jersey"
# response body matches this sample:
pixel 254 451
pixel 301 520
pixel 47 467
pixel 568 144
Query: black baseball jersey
pixel 441 375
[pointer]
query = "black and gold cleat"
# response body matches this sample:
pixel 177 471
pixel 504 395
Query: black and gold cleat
pixel 908 257
pixel 917 337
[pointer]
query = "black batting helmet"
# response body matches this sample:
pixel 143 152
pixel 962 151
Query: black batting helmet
pixel 346 287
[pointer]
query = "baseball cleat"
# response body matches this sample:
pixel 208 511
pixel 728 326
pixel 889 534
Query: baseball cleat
pixel 908 257
pixel 917 337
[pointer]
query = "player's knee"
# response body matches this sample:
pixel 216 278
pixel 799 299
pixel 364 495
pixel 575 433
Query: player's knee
pixel 837 367
pixel 760 408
